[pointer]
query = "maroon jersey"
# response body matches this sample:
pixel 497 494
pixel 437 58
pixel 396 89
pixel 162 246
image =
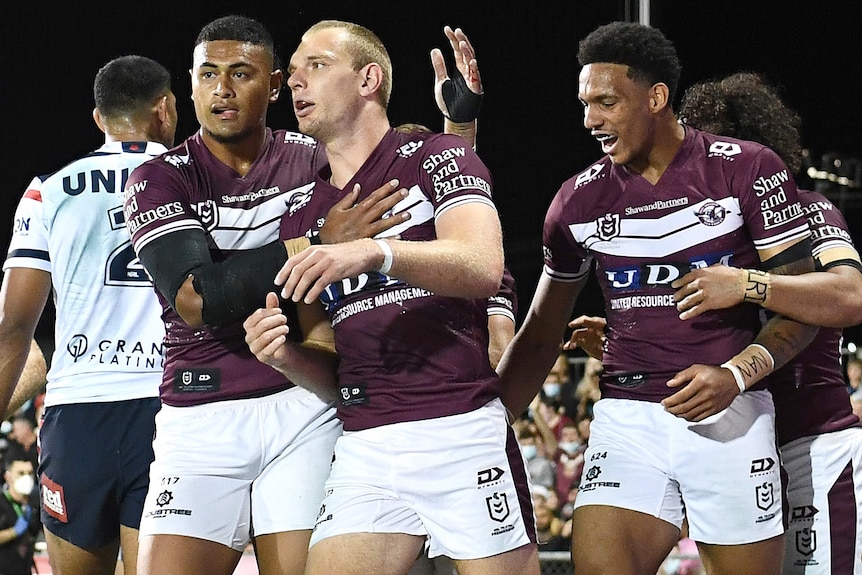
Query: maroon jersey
pixel 809 392
pixel 406 353
pixel 505 301
pixel 189 188
pixel 719 200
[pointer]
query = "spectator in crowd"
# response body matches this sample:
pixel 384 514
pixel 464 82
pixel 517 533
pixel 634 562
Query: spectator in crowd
pixel 19 522
pixel 853 369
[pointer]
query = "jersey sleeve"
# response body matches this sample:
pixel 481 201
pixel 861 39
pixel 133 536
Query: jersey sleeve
pixel 452 174
pixel 29 245
pixel 564 259
pixel 769 201
pixel 505 301
pixel 831 242
pixel 156 203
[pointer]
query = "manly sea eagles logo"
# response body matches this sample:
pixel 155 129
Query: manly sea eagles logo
pixel 298 200
pixel 711 214
pixel 608 227
pixel 208 213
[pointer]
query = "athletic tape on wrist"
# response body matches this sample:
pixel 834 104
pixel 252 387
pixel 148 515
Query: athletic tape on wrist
pixel 768 354
pixel 756 287
pixel 462 104
pixel 387 256
pixel 737 375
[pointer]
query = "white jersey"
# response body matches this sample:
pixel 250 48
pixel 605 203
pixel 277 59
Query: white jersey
pixel 108 335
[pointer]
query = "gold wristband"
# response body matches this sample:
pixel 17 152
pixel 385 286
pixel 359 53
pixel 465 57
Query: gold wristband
pixel 756 286
pixel 296 245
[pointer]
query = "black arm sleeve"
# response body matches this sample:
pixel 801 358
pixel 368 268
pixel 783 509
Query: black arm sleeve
pixel 230 290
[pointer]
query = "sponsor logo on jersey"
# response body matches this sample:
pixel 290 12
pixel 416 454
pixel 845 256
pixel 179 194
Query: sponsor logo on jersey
pixel 803 512
pixel 251 196
pixel 197 380
pixel 588 175
pixel 121 352
pixel 409 149
pixel 657 205
pixel 724 150
pixel 355 394
pixel 301 139
pixel 77 346
pixel 498 506
pixel 98 180
pixel 659 274
pixel 764 184
pixel 156 214
pixel 762 465
pixel 177 160
pixel 53 499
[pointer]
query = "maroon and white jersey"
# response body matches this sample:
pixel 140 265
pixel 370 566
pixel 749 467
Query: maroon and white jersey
pixel 809 392
pixel 188 188
pixel 719 201
pixel 407 354
pixel 505 301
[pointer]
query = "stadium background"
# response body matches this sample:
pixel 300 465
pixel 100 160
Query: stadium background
pixel 531 134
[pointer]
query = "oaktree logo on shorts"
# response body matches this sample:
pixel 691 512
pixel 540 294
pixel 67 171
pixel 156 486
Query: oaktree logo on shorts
pixel 164 498
pixel 593 473
pixel 77 346
pixel 498 506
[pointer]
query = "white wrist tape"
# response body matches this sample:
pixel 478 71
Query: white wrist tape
pixel 737 375
pixel 768 354
pixel 387 256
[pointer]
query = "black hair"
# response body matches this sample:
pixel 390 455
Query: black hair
pixel 650 56
pixel 129 84
pixel 240 29
pixel 13 453
pixel 744 105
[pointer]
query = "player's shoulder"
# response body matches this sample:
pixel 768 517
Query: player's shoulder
pixel 725 150
pixel 593 178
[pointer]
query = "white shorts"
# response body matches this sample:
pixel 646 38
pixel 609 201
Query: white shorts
pixel 824 494
pixel 723 473
pixel 230 470
pixel 459 480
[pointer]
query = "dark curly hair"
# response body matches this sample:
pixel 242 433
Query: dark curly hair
pixel 650 56
pixel 744 105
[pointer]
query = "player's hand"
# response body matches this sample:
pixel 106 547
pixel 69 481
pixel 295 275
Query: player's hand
pixel 705 289
pixel 588 333
pixel 348 220
pixel 459 97
pixel 21 526
pixel 305 275
pixel 266 332
pixel 706 390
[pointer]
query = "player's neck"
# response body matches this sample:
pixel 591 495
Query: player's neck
pixel 349 150
pixel 238 154
pixel 661 153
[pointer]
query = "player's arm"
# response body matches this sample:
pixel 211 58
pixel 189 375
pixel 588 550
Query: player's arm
pixel 501 330
pixel 536 345
pixel 466 259
pixel 32 380
pixel 23 295
pixel 710 389
pixel 311 364
pixel 459 98
pixel 204 292
pixel 829 298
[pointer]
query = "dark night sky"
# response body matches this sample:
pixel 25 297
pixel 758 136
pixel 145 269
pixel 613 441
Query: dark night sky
pixel 531 134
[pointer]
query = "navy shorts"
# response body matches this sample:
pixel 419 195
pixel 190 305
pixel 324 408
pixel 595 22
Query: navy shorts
pixel 94 465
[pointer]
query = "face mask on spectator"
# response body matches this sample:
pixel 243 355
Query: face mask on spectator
pixel 24 484
pixel 529 451
pixel 551 389
pixel 569 447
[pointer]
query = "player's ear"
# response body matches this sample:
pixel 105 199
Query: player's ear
pixel 97 117
pixel 659 96
pixel 372 78
pixel 276 81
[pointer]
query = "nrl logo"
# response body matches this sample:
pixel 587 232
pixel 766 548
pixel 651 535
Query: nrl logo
pixel 409 149
pixel 207 212
pixel 608 227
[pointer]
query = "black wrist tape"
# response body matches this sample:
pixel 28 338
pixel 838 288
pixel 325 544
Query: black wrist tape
pixel 234 288
pixel 462 104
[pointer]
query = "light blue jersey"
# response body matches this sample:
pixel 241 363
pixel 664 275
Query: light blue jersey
pixel 108 333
